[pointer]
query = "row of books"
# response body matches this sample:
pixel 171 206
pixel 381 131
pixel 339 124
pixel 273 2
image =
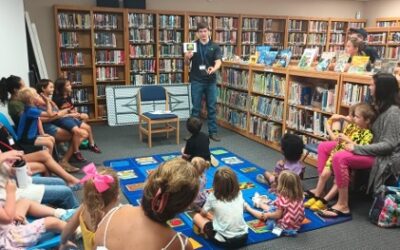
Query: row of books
pixel 316 39
pixel 101 90
pixel 321 97
pixel 270 84
pixel 68 40
pixel 171 36
pixel 317 26
pixel 337 38
pixel 297 38
pixel 234 98
pixel 80 95
pixel 235 78
pixel 71 58
pixel 74 21
pixel 75 77
pixel 171 50
pixel 141 36
pixel 251 24
pixel 356 25
pixel 170 22
pixel 337 27
pixel 274 25
pixel 105 21
pixel 234 117
pixel 228 51
pixel 110 57
pixel 147 65
pixel 297 50
pixel 251 37
pixel 266 130
pixel 297 25
pixel 393 53
pixel 141 51
pixel 248 50
pixel 143 79
pixel 140 21
pixel 171 78
pixel 273 38
pixel 171 65
pixel 83 109
pixel 227 23
pixel 308 140
pixel 334 48
pixel 106 73
pixel 376 38
pixel 269 107
pixel 386 23
pixel 354 93
pixel 394 37
pixel 226 37
pixel 307 121
pixel 105 39
pixel 194 20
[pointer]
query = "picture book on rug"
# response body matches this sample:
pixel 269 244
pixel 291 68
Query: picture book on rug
pixel 126 174
pixel 248 169
pixel 135 186
pixel 146 160
pixel 231 160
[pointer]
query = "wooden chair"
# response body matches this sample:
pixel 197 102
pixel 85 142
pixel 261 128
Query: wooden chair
pixel 156 95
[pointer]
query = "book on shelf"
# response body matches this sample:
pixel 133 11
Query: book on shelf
pixel 234 117
pixel 235 78
pixel 75 77
pixel 325 60
pixel 142 79
pixel 342 58
pixel 71 59
pixel 297 25
pixel 227 23
pixel 171 50
pixel 74 21
pixel 80 96
pixel 337 27
pixel 297 38
pixel 105 39
pixel 394 37
pixel 355 93
pixel 105 21
pixel 266 130
pixel 194 20
pixel 139 66
pixel 101 90
pixel 337 39
pixel 270 57
pixel 262 52
pixel 83 109
pixel 171 36
pixel 170 22
pixel 283 58
pixel 233 98
pixel 170 78
pixel 308 57
pixel 106 74
pixel 271 84
pixel 307 121
pixel 386 23
pixel 227 51
pixel 141 36
pixel 171 65
pixel 141 51
pixel 317 26
pixel 68 40
pixel 376 38
pixel 110 57
pixel 273 39
pixel 358 64
pixel 226 37
pixel 269 107
pixel 324 98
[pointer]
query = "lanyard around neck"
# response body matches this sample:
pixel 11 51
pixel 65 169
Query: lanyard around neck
pixel 203 53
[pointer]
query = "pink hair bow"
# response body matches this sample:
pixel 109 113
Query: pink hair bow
pixel 101 182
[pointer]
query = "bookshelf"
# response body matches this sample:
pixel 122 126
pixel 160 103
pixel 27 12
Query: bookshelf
pixel 387 21
pixel 251 34
pixel 377 38
pixel 297 29
pixel 393 43
pixel 193 19
pixel 275 32
pixel 110 67
pixel 317 34
pixel 171 35
pixel 338 32
pixel 74 55
pixel 226 34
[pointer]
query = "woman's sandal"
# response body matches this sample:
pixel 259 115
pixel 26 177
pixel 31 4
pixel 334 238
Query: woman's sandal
pixel 308 194
pixel 333 213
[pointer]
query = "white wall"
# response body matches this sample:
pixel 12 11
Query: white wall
pixel 381 8
pixel 13 46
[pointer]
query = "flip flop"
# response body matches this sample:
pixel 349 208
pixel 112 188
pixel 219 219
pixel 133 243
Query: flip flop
pixel 308 194
pixel 336 213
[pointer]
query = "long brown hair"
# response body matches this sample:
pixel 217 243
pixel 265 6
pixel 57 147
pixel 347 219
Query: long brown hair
pixel 289 186
pixel 225 184
pixel 176 183
pixel 94 201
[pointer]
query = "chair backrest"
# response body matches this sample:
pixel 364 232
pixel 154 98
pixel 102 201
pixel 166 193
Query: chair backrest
pixel 4 120
pixel 152 93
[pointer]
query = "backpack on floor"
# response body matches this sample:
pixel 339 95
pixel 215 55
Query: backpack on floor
pixel 385 210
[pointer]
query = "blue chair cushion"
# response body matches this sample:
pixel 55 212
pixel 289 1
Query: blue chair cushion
pixel 312 147
pixel 159 116
pixel 152 93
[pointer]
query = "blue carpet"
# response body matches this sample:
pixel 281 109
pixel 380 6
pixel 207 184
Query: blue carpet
pixel 132 187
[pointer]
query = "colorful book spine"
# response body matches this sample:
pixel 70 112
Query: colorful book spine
pixel 171 78
pixel 227 23
pixel 355 93
pixel 267 107
pixel 143 79
pixel 141 36
pixel 106 73
pixel 141 51
pixel 143 66
pixel 270 84
pixel 171 50
pixel 170 22
pixel 105 21
pixel 235 78
pixel 234 117
pixel 105 39
pixel 110 57
pixel 71 59
pixel 74 21
pixel 68 40
pixel 141 21
pixel 266 130
pixel 171 65
pixel 80 96
pixel 171 36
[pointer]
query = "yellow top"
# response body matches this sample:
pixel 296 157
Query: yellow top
pixel 87 235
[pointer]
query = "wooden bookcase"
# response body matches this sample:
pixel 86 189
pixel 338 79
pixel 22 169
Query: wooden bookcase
pixel 387 21
pixel 251 34
pixel 377 38
pixel 275 32
pixel 338 32
pixel 227 34
pixel 192 19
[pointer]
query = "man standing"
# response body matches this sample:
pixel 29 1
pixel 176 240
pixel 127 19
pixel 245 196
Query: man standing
pixel 361 34
pixel 204 63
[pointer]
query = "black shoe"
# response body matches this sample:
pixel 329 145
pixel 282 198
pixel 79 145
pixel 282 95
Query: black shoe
pixel 214 137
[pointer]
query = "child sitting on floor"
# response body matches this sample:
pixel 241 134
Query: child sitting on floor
pixel 356 132
pixel 100 196
pixel 201 166
pixel 287 211
pixel 292 147
pixel 227 228
pixel 198 144
pixel 30 129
